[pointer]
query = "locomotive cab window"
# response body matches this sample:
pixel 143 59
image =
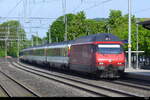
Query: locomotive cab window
pixel 109 48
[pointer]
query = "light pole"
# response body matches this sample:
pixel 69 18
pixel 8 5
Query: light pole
pixel 17 43
pixel 37 43
pixel 49 35
pixel 137 46
pixel 32 42
pixel 129 34
pixel 65 18
pixel 65 36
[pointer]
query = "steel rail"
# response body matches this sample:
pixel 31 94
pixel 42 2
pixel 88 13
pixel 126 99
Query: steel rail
pixel 22 85
pixel 119 92
pixel 5 91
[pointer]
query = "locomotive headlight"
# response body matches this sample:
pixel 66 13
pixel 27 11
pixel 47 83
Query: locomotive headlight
pixel 120 63
pixel 101 63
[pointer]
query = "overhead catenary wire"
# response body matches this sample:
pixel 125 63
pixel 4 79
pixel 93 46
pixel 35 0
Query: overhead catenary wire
pixel 142 10
pixel 82 1
pixel 13 8
pixel 97 4
pixel 78 6
pixel 30 19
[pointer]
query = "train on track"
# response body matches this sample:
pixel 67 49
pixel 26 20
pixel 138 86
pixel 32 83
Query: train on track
pixel 100 54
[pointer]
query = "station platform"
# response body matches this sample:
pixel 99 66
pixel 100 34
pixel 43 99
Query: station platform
pixel 142 74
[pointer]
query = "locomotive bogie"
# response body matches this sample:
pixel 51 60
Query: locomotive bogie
pixel 110 71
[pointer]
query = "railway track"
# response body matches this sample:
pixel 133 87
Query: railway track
pixel 3 92
pixel 134 84
pixel 10 87
pixel 88 87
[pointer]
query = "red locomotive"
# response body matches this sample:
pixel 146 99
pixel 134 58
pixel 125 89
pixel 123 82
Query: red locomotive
pixel 100 54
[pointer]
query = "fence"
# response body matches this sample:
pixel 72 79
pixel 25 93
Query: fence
pixel 144 61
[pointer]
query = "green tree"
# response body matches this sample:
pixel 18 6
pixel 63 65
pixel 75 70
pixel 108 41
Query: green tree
pixel 57 28
pixel 115 18
pixel 12 31
pixel 36 40
pixel 116 24
pixel 77 26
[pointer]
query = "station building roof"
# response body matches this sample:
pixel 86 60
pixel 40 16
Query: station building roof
pixel 145 24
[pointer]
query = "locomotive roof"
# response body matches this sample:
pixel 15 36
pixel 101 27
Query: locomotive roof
pixel 97 37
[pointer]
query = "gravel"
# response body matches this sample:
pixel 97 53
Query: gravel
pixel 43 86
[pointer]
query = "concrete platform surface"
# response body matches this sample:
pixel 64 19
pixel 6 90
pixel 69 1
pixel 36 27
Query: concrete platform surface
pixel 138 73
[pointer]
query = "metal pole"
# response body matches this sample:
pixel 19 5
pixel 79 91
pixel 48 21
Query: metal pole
pixel 17 44
pixel 129 34
pixel 56 39
pixel 108 29
pixel 65 18
pixel 5 48
pixel 137 47
pixel 49 35
pixel 74 36
pixel 65 28
pixel 6 44
pixel 25 9
pixel 32 41
pixel 37 38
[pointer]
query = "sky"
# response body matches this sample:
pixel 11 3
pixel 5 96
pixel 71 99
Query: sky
pixel 49 10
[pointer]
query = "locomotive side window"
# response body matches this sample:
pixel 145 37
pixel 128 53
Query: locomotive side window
pixel 110 49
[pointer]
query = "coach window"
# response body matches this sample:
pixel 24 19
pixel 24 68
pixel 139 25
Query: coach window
pixel 35 52
pixel 42 52
pixel 66 51
pixel 39 52
pixel 50 52
pixel 62 52
pixel 58 52
pixel 54 52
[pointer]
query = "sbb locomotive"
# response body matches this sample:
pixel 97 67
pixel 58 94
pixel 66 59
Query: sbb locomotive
pixel 99 54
